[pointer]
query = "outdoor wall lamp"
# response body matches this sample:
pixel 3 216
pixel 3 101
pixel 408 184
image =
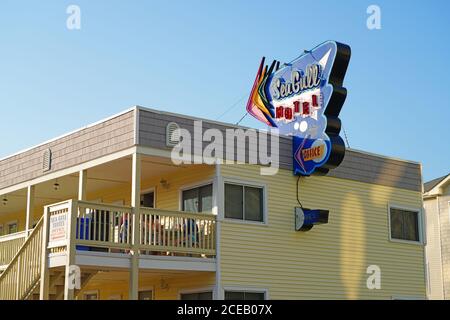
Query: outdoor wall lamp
pixel 56 185
pixel 163 284
pixel 5 201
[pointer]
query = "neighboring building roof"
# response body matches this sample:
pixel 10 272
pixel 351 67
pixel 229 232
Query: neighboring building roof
pixel 430 185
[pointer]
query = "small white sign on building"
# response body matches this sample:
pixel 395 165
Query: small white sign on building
pixel 58 230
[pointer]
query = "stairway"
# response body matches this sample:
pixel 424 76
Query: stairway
pixel 21 278
pixel 56 284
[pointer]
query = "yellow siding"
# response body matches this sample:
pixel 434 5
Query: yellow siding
pixel 117 284
pixel 20 218
pixel 167 199
pixel 330 261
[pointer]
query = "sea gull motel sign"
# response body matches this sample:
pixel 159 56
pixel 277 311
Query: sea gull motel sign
pixel 303 99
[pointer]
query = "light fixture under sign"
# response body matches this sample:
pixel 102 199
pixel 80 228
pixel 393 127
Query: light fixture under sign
pixel 305 219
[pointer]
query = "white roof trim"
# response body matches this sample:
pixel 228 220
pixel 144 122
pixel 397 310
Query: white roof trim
pixel 436 190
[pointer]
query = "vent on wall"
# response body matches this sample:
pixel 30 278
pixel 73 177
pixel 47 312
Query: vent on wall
pixel 47 160
pixel 172 134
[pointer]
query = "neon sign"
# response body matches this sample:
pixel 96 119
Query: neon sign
pixel 303 99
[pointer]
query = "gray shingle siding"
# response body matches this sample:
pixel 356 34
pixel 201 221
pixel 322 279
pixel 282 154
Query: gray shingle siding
pixel 357 166
pixel 81 146
pixel 118 133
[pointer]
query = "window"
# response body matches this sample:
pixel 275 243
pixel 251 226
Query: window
pixel 404 224
pixel 11 228
pixel 206 295
pixel 243 295
pixel 93 295
pixel 148 199
pixel 146 295
pixel 198 199
pixel 244 202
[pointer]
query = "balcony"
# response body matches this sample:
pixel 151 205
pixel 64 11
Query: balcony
pixel 105 235
pixel 97 237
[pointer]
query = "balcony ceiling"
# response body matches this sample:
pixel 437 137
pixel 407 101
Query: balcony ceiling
pixel 107 176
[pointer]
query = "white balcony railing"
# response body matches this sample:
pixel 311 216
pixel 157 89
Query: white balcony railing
pixel 9 245
pixel 24 270
pixel 104 227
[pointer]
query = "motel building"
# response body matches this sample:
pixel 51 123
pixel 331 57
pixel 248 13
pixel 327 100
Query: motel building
pixel 105 213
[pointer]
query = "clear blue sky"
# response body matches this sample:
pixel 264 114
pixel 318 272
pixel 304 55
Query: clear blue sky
pixel 200 58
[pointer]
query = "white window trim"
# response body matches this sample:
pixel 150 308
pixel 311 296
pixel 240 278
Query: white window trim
pixel 10 223
pixel 193 186
pixel 400 297
pixel 196 290
pixel 247 183
pixel 148 288
pixel 247 289
pixel 419 211
pixel 113 297
pixel 97 292
pixel 149 190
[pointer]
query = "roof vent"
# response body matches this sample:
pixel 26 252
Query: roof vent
pixel 172 134
pixel 47 160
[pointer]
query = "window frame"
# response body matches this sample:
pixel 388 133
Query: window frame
pixel 420 222
pixel 402 297
pixel 147 288
pixel 195 185
pixel 252 184
pixel 6 227
pixel 150 190
pixel 265 291
pixel 197 290
pixel 89 292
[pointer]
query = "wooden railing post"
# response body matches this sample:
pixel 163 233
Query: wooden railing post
pixel 70 248
pixel 17 288
pixel 44 285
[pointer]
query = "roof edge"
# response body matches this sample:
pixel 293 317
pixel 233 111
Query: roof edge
pixel 69 133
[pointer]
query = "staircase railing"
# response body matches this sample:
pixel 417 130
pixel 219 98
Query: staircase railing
pixel 9 245
pixel 24 270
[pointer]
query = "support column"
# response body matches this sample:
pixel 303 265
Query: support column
pixel 218 205
pixel 30 209
pixel 82 184
pixel 69 288
pixel 44 285
pixel 135 204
